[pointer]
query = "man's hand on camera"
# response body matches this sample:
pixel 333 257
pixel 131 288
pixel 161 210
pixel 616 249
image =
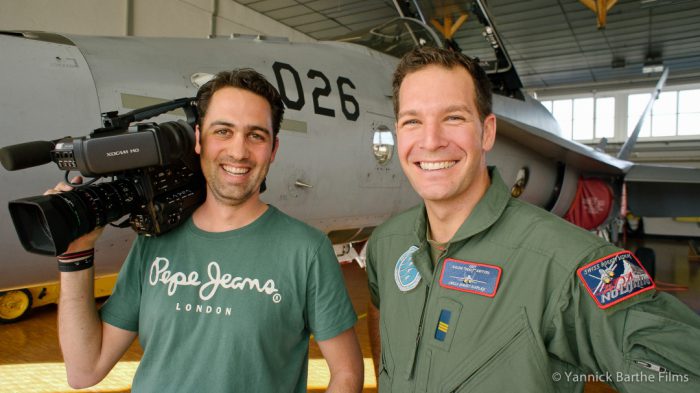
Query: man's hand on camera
pixel 88 240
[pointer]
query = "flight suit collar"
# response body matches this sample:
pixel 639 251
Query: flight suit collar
pixel 486 212
pixel 421 258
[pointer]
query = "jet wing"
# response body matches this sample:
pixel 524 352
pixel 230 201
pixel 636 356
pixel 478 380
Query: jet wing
pixel 663 191
pixel 652 190
pixel 550 145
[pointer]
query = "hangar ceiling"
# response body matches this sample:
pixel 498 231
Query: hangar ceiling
pixel 554 44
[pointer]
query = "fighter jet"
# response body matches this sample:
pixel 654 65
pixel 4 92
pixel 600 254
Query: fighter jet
pixel 468 279
pixel 605 277
pixel 336 168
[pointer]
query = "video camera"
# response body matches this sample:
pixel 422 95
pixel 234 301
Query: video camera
pixel 156 178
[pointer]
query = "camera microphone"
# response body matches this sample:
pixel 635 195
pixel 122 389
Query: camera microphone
pixel 26 155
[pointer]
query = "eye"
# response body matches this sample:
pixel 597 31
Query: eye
pixel 258 136
pixel 222 131
pixel 455 118
pixel 410 122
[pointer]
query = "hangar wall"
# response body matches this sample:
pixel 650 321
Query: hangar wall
pixel 147 18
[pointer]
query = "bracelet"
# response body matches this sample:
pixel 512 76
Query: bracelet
pixel 76 261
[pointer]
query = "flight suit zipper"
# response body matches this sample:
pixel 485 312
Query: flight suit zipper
pixel 421 325
pixel 419 334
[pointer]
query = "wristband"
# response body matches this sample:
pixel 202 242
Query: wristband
pixel 76 261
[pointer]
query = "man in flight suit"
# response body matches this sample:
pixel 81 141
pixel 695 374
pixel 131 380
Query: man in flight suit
pixel 475 291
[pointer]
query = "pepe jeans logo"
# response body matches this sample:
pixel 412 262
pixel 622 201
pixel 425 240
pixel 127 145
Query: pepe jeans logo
pixel 160 274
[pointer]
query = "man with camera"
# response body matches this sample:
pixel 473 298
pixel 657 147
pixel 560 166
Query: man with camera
pixel 227 300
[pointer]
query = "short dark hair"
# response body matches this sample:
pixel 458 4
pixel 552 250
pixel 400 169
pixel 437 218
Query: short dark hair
pixel 247 79
pixel 420 58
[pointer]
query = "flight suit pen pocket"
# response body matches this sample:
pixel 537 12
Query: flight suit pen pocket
pixel 509 361
pixel 442 323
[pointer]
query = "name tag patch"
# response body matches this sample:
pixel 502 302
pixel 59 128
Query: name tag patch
pixel 472 277
pixel 614 278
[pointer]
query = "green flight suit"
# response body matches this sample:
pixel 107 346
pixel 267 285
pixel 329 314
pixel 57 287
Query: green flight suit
pixel 538 329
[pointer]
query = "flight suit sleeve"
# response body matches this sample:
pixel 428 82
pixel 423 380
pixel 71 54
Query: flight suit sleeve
pixel 371 267
pixel 647 342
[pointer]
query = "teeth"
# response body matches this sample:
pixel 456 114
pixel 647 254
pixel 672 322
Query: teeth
pixel 433 166
pixel 236 170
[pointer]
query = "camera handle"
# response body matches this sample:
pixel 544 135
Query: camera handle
pixel 113 122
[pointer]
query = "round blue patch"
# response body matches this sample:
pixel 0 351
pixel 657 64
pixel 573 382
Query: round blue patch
pixel 406 275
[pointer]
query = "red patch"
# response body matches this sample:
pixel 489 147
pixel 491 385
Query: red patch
pixel 615 278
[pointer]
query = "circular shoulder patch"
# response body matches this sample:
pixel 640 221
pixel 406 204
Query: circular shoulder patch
pixel 406 275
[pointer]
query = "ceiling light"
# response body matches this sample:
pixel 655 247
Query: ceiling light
pixel 651 68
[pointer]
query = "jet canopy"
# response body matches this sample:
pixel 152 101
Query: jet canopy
pixel 395 37
pixel 477 34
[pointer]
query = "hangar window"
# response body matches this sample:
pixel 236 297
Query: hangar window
pixel 675 113
pixel 584 118
pixel 689 112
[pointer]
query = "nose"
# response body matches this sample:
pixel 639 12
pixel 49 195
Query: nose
pixel 237 147
pixel 432 137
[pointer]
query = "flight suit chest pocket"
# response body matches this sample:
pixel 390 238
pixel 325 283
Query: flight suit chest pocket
pixel 511 360
pixel 442 323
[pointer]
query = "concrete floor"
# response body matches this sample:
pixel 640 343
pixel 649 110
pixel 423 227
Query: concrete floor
pixel 30 359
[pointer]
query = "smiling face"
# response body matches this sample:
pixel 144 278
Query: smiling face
pixel 441 140
pixel 235 144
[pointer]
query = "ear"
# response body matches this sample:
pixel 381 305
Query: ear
pixel 274 149
pixel 488 136
pixel 197 135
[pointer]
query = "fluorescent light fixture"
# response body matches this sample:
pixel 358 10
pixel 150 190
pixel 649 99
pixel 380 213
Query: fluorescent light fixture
pixel 651 68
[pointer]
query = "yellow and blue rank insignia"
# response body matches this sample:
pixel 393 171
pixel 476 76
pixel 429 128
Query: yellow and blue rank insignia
pixel 406 275
pixel 443 325
pixel 472 277
pixel 614 278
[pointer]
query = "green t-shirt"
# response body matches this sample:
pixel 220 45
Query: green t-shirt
pixel 230 311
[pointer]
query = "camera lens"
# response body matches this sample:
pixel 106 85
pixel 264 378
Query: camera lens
pixel 105 202
pixel 47 224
